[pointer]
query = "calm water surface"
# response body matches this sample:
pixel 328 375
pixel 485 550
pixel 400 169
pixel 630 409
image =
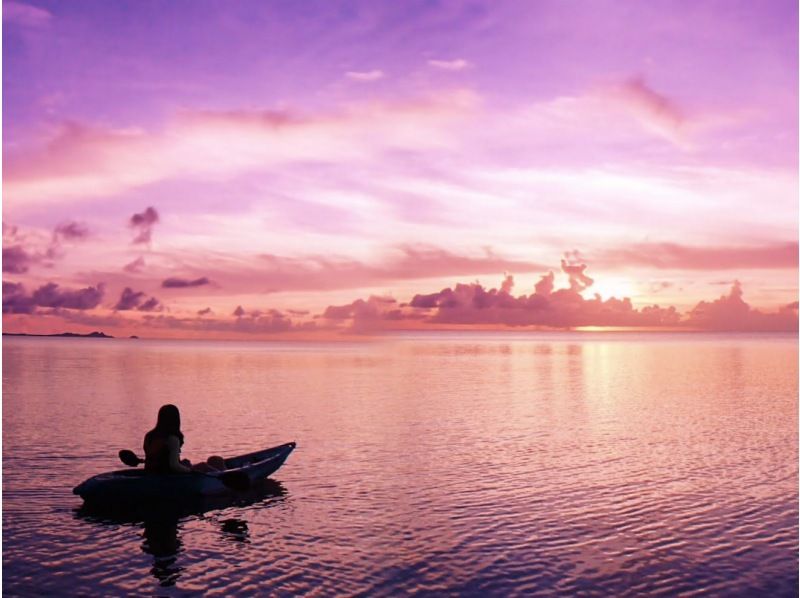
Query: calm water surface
pixel 622 464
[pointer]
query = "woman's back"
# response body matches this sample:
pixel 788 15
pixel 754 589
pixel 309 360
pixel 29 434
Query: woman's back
pixel 157 452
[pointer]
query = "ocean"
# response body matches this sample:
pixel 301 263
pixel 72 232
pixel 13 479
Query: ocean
pixel 608 464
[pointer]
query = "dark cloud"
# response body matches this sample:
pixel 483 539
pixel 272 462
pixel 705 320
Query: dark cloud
pixel 50 295
pixel 182 283
pixel 151 304
pixel 71 231
pixel 143 224
pixel 15 299
pixel 205 312
pixel 239 311
pixel 16 260
pixel 130 299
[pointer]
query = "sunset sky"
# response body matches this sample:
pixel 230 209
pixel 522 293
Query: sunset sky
pixel 268 168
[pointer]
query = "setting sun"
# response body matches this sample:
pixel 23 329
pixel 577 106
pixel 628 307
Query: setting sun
pixel 613 287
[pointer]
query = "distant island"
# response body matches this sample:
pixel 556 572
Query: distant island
pixel 67 334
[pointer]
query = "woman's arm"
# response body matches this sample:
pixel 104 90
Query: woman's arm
pixel 175 464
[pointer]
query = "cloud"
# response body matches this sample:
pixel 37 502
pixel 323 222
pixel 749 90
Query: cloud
pixel 23 249
pixel 271 322
pixel 684 257
pixel 654 111
pixel 578 281
pixel 130 299
pixel 239 311
pixel 143 224
pixel 458 64
pixel 82 161
pixel 363 316
pixel 151 304
pixel 15 299
pixel 25 14
pixel 16 260
pixel 70 231
pixel 181 283
pixel 50 295
pixel 731 313
pixel 275 273
pixel 205 312
pixel 365 76
pixel 474 305
pixel 135 266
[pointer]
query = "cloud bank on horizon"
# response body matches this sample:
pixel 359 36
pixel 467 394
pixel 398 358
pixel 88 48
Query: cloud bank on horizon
pixel 292 160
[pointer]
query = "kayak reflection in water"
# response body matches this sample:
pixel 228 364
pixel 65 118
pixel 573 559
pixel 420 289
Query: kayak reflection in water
pixel 162 447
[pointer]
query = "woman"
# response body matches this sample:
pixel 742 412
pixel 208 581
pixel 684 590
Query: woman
pixel 162 446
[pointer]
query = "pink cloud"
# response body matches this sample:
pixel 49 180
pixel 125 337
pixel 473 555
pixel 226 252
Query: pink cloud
pixel 474 305
pixel 21 249
pixel 83 161
pixel 730 312
pixel 135 266
pixel 655 111
pixel 686 257
pixel 275 273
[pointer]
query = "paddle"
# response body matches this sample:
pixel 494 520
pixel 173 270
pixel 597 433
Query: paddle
pixel 235 480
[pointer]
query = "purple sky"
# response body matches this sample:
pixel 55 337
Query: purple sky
pixel 299 155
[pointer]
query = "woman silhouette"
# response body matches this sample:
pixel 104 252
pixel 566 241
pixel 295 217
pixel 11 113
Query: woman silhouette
pixel 162 446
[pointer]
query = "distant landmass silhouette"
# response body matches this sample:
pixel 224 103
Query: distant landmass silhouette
pixel 68 334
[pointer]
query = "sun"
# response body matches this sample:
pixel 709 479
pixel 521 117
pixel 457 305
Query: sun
pixel 612 287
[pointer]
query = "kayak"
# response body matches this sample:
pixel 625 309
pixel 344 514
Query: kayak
pixel 136 485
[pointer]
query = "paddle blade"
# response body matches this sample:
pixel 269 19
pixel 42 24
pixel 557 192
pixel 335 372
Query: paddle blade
pixel 129 458
pixel 235 480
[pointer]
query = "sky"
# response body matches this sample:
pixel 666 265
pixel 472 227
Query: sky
pixel 269 169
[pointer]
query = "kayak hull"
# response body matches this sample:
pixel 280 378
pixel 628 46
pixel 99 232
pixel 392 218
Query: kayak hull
pixel 137 486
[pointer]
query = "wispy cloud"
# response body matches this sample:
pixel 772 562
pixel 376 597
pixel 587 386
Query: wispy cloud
pixel 365 76
pixel 458 64
pixel 654 110
pixel 26 15
pixel 83 161
pixel 276 273
pixel 665 256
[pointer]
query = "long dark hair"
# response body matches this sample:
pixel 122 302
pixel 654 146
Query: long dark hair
pixel 169 422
